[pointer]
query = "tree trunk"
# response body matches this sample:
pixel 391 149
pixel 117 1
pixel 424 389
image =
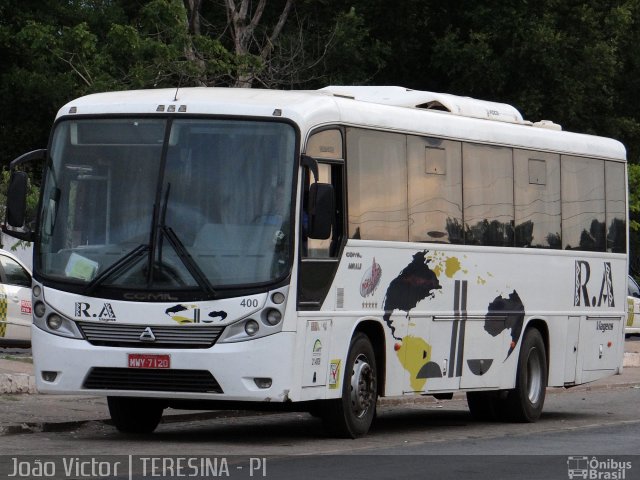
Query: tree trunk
pixel 242 25
pixel 193 28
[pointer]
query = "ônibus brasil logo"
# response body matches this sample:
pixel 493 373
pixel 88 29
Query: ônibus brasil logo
pixel 595 468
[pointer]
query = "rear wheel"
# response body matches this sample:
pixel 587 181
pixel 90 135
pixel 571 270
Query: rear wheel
pixel 135 415
pixel 525 402
pixel 351 415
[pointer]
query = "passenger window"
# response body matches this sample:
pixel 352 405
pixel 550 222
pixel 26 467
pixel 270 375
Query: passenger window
pixel 616 202
pixel 537 199
pixel 583 204
pixel 488 195
pixel 435 190
pixel 377 178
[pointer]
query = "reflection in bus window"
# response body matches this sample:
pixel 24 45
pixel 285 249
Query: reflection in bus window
pixel 488 195
pixel 377 178
pixel 616 203
pixel 537 199
pixel 435 190
pixel 583 217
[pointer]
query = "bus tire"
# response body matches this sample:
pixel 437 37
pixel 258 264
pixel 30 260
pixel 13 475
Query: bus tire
pixel 135 415
pixel 351 415
pixel 525 402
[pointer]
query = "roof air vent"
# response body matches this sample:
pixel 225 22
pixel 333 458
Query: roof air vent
pixel 454 104
pixel 435 105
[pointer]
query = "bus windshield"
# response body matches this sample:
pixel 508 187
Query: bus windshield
pixel 180 204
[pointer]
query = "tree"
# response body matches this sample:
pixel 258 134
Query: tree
pixel 243 22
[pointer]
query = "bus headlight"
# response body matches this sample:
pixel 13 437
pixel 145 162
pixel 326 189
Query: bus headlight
pixel 267 319
pixel 39 309
pixel 273 317
pixel 251 327
pixel 54 321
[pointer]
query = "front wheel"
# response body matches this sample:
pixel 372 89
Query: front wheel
pixel 525 402
pixel 351 415
pixel 135 415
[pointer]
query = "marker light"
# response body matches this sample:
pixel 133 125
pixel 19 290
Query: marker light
pixel 277 298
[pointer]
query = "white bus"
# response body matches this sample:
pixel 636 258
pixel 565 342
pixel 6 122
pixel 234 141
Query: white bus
pixel 316 250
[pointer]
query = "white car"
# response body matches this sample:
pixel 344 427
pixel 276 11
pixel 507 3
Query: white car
pixel 15 301
pixel 633 317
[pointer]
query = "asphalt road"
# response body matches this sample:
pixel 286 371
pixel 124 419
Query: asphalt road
pixel 580 428
pixel 433 440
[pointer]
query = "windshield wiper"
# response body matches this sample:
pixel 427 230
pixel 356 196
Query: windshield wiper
pixel 117 268
pixel 183 254
pixel 187 260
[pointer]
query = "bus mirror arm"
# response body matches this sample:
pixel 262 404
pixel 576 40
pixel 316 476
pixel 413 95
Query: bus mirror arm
pixel 311 164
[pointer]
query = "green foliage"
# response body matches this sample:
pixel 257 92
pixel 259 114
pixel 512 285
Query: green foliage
pixel 634 197
pixel 576 63
pixel 358 55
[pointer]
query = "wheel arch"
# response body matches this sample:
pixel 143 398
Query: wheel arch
pixel 375 332
pixel 540 324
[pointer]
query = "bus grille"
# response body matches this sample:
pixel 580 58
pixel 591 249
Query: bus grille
pixel 119 335
pixel 149 380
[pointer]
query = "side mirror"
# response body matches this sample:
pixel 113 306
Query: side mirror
pixel 17 199
pixel 17 191
pixel 321 210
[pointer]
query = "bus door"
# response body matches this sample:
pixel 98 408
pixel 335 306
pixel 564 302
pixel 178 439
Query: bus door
pixel 319 258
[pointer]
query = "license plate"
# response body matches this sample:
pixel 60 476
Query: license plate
pixel 143 360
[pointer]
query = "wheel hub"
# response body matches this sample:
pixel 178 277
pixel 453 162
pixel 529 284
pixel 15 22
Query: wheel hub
pixel 534 376
pixel 362 387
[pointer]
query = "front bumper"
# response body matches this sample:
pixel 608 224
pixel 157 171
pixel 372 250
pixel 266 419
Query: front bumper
pixel 234 366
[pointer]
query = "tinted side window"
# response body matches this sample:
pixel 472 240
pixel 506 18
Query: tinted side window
pixel 583 204
pixel 616 202
pixel 488 195
pixel 537 199
pixel 14 273
pixel 377 181
pixel 435 190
